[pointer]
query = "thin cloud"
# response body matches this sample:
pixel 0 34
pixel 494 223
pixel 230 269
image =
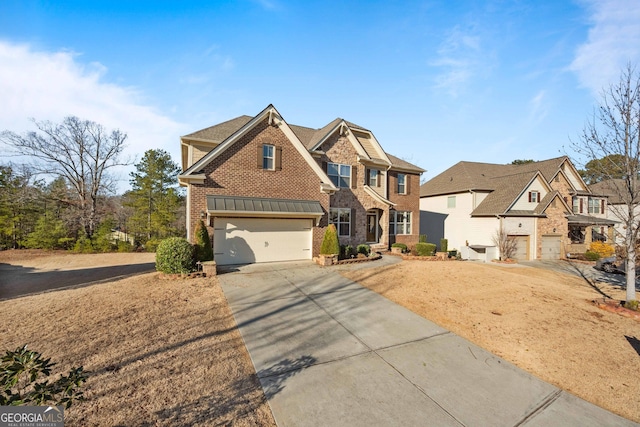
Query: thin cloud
pixel 612 42
pixel 52 85
pixel 460 57
pixel 537 108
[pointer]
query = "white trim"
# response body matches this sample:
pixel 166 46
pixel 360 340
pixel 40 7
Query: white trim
pixel 188 219
pixel 254 214
pixel 377 196
pixel 526 188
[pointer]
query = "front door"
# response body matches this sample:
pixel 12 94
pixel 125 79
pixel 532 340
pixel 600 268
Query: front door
pixel 372 227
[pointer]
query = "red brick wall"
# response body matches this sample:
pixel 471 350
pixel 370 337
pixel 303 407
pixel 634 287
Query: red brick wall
pixel 407 202
pixel 235 173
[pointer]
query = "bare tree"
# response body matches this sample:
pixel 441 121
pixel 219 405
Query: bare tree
pixel 506 244
pixel 613 135
pixel 81 151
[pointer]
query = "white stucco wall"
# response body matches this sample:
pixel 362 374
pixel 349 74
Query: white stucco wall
pixel 523 202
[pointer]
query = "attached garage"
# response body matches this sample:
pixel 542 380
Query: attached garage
pixel 550 247
pixel 522 247
pixel 249 240
pixel 250 230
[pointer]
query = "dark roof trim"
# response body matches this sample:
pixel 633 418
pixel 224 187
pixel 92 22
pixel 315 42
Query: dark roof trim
pixel 589 220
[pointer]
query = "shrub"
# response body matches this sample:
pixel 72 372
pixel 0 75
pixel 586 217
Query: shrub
pixel 152 245
pixel 363 249
pixel 631 305
pixel 20 371
pixel 174 256
pixel 603 249
pixel 425 249
pixel 349 251
pixel 204 252
pixel 83 245
pixel 400 245
pixel 422 238
pixel 330 245
pixel 124 246
pixel 591 256
pixel 444 245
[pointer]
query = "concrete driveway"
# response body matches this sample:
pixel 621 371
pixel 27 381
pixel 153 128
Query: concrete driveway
pixel 330 352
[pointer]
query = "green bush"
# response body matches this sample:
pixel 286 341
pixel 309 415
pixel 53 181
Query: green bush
pixel 124 246
pixel 83 245
pixel 152 245
pixel 20 371
pixel 175 256
pixel 422 238
pixel 631 305
pixel 349 251
pixel 363 249
pixel 204 252
pixel 400 245
pixel 591 256
pixel 425 249
pixel 330 245
pixel 444 245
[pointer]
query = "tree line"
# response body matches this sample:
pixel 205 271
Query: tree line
pixel 65 196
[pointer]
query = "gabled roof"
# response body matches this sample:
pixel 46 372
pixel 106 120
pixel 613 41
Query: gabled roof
pixel 368 148
pixel 274 117
pixel 473 176
pixel 612 188
pixel 507 190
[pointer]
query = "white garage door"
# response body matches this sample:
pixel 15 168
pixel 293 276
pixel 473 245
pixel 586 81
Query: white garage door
pixel 249 240
pixel 522 248
pixel 550 247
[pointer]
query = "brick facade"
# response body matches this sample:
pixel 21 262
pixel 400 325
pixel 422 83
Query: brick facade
pixel 235 173
pixel 406 202
pixel 555 224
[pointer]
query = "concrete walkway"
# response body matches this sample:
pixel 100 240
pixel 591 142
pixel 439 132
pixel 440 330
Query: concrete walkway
pixel 329 352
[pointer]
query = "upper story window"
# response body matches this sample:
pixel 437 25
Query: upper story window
pixel 451 202
pixel 594 206
pixel 268 157
pixel 534 196
pixel 402 183
pixel 577 205
pixel 339 174
pixel 373 178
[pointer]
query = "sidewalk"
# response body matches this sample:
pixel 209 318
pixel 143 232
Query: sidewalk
pixel 329 352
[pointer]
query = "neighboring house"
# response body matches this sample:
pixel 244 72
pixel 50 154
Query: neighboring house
pixel 267 190
pixel 545 205
pixel 617 209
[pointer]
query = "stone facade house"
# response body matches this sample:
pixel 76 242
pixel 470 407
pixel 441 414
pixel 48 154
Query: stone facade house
pixel 545 206
pixel 267 189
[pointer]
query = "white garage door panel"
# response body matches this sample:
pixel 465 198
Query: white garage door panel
pixel 522 248
pixel 550 247
pixel 249 240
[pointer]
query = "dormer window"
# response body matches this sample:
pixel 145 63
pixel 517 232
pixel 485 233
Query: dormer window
pixel 373 178
pixel 534 196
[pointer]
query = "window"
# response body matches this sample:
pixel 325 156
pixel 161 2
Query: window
pixel 534 196
pixel 268 157
pixel 594 206
pixel 576 205
pixel 373 178
pixel 400 223
pixel 451 202
pixel 341 217
pixel 339 174
pixel 402 183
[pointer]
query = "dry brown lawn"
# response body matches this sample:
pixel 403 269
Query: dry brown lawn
pixel 159 352
pixel 542 321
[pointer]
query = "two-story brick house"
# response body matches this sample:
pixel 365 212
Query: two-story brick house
pixel 267 189
pixel 545 206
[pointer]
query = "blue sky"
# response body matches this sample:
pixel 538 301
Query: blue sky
pixel 436 81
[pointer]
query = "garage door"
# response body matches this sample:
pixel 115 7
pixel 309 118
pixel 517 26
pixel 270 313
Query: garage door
pixel 249 240
pixel 522 248
pixel 550 247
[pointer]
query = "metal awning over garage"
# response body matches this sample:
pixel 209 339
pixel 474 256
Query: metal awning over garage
pixel 229 206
